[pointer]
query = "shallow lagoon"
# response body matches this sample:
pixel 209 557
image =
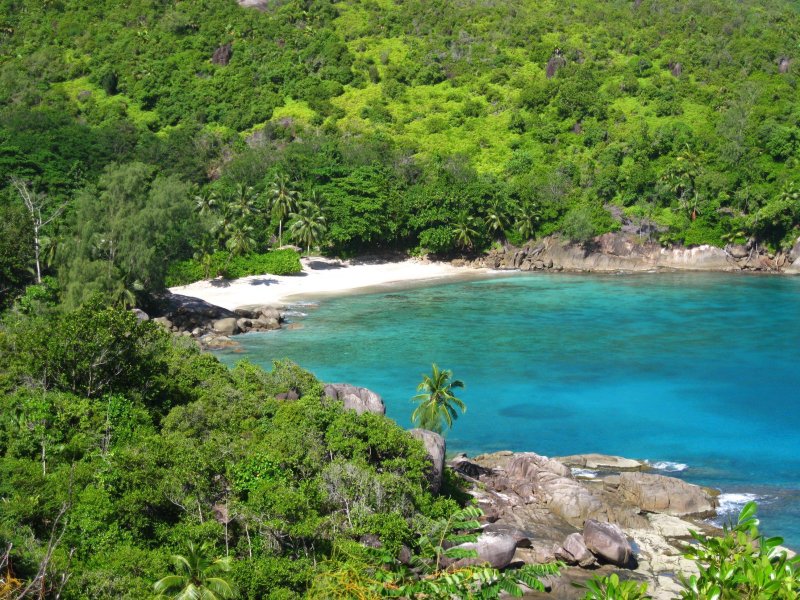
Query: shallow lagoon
pixel 698 372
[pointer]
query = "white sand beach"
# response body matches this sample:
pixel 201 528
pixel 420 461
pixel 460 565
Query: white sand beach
pixel 323 277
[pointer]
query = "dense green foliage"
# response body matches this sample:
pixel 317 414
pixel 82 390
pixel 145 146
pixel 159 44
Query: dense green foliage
pixel 439 126
pixel 277 262
pixel 120 444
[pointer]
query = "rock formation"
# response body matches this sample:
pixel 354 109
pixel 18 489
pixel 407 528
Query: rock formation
pixel 355 398
pixel 624 251
pixel 213 325
pixel 436 448
pixel 617 521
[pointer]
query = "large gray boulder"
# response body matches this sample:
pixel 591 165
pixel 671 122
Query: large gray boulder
pixel 608 542
pixel 228 326
pixel 436 448
pixel 657 493
pixel 573 551
pixel 355 398
pixel 495 549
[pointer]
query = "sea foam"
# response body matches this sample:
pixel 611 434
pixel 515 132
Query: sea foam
pixel 667 466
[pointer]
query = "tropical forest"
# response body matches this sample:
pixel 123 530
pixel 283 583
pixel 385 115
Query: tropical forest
pixel 156 144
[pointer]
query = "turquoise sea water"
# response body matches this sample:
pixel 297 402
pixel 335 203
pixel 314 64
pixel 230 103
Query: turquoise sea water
pixel 699 373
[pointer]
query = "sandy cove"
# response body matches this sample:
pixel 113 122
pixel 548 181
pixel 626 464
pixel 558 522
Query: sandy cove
pixel 324 277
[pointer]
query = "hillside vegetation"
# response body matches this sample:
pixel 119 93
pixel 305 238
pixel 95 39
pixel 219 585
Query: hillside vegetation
pixel 420 125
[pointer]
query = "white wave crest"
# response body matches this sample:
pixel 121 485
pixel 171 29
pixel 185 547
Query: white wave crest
pixel 667 466
pixel 585 473
pixel 733 503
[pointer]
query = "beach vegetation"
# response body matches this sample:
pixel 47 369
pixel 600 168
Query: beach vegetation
pixel 232 265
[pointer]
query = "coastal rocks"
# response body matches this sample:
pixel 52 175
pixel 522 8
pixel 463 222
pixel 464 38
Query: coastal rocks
pixel 601 462
pixel 212 325
pixel 355 398
pixel 593 524
pixel 495 549
pixel 657 493
pixel 436 449
pixel 227 326
pixel 573 551
pixel 628 251
pixel 608 542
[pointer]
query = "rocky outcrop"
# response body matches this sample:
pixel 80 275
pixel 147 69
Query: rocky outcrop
pixel 658 493
pixel 608 542
pixel 261 5
pixel 602 462
pixel 355 398
pixel 495 549
pixel 436 448
pixel 794 256
pixel 210 324
pixel 573 551
pixel 222 55
pixel 594 524
pixel 625 251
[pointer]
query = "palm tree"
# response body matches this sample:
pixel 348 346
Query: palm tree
pixel 496 220
pixel 198 578
pixel 437 403
pixel 244 200
pixel 206 201
pixel 463 228
pixel 527 220
pixel 284 202
pixel 308 225
pixel 240 241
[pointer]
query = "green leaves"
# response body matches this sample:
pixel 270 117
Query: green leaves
pixel 437 403
pixel 741 564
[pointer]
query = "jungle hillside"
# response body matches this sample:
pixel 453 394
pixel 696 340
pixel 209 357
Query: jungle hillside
pixel 145 133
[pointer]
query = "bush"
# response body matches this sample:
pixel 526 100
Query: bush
pixel 277 262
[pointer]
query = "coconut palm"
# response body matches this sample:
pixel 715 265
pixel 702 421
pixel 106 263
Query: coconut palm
pixel 206 201
pixel 240 240
pixel 464 230
pixel 284 202
pixel 197 578
pixel 437 403
pixel 308 225
pixel 527 220
pixel 496 219
pixel 244 200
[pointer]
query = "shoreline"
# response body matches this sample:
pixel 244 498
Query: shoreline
pixel 323 278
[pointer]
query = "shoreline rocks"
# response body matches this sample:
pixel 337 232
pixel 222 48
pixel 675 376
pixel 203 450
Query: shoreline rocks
pixel 625 520
pixel 626 252
pixel 210 325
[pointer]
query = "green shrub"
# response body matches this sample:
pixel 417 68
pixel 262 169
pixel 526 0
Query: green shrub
pixel 277 262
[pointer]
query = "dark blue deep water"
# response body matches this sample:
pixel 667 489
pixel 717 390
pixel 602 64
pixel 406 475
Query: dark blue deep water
pixel 697 372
